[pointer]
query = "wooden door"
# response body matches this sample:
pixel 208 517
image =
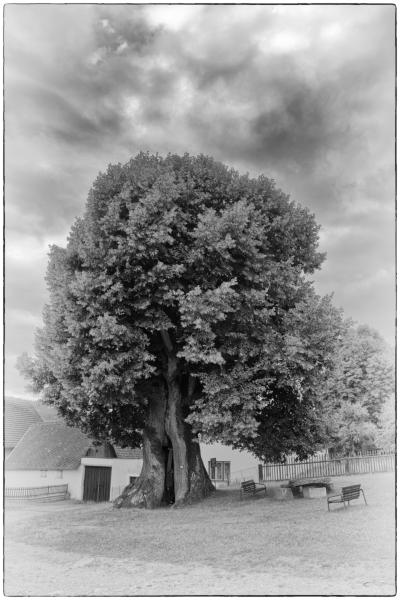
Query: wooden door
pixel 97 484
pixel 169 491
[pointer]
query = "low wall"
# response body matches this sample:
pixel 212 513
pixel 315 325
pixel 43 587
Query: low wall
pixel 122 469
pixel 33 478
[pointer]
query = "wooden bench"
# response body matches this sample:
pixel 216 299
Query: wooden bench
pixel 350 492
pixel 250 487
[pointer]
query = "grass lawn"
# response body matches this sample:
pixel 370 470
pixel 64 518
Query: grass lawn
pixel 290 540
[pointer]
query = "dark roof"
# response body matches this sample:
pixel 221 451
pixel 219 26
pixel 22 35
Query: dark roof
pixel 49 446
pixel 19 415
pixel 128 452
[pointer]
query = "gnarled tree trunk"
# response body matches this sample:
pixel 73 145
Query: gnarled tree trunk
pixel 166 425
pixel 148 489
pixel 190 477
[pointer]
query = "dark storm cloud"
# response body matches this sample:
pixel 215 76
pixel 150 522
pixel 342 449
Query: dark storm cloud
pixel 296 114
pixel 295 120
pixel 303 94
pixel 47 197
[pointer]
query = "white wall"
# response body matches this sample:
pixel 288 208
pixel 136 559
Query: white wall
pixel 74 478
pixel 122 469
pixel 240 460
pixel 32 478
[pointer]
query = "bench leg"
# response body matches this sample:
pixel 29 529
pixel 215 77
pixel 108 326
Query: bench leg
pixel 364 497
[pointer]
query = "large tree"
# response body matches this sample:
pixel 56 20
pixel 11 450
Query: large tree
pixel 180 307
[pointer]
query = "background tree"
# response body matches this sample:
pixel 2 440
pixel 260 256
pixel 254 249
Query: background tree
pixel 357 389
pixel 385 437
pixel 180 307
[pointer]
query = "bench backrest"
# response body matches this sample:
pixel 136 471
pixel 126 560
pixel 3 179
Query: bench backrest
pixel 351 492
pixel 248 486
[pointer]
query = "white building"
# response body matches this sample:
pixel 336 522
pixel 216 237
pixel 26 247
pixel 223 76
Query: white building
pixel 52 454
pixel 40 450
pixel 230 465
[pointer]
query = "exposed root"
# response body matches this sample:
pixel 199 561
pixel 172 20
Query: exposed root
pixel 200 489
pixel 142 496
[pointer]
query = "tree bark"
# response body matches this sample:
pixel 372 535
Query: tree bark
pixel 166 423
pixel 191 479
pixel 148 489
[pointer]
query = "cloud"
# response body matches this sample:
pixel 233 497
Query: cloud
pixel 301 93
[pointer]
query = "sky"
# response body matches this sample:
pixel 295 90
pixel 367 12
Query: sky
pixel 304 94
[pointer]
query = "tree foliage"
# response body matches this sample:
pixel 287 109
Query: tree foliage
pixel 357 389
pixel 385 437
pixel 181 268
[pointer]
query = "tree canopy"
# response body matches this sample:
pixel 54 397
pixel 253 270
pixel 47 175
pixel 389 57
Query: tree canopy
pixel 357 390
pixel 181 270
pixel 385 436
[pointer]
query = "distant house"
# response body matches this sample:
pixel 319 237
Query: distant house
pixel 230 465
pixel 43 451
pixel 53 454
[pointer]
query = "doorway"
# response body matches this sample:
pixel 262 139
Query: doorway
pixel 97 484
pixel 169 485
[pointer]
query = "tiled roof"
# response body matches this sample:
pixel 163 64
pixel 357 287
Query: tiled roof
pixel 128 452
pixel 52 446
pixel 47 413
pixel 19 415
pixel 49 446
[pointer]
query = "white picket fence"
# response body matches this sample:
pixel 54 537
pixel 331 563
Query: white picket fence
pixel 320 466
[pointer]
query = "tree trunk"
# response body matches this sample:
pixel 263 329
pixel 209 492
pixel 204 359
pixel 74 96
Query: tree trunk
pixel 190 477
pixel 148 489
pixel 165 424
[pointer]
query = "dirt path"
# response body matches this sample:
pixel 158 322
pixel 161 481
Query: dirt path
pixel 38 571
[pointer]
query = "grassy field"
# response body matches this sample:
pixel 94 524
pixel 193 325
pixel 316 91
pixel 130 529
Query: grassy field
pixel 294 542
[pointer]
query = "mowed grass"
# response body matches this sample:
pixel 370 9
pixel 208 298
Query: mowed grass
pixel 298 536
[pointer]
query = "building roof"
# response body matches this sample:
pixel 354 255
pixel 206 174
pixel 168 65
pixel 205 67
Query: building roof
pixel 19 415
pixel 47 413
pixel 128 452
pixel 49 446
